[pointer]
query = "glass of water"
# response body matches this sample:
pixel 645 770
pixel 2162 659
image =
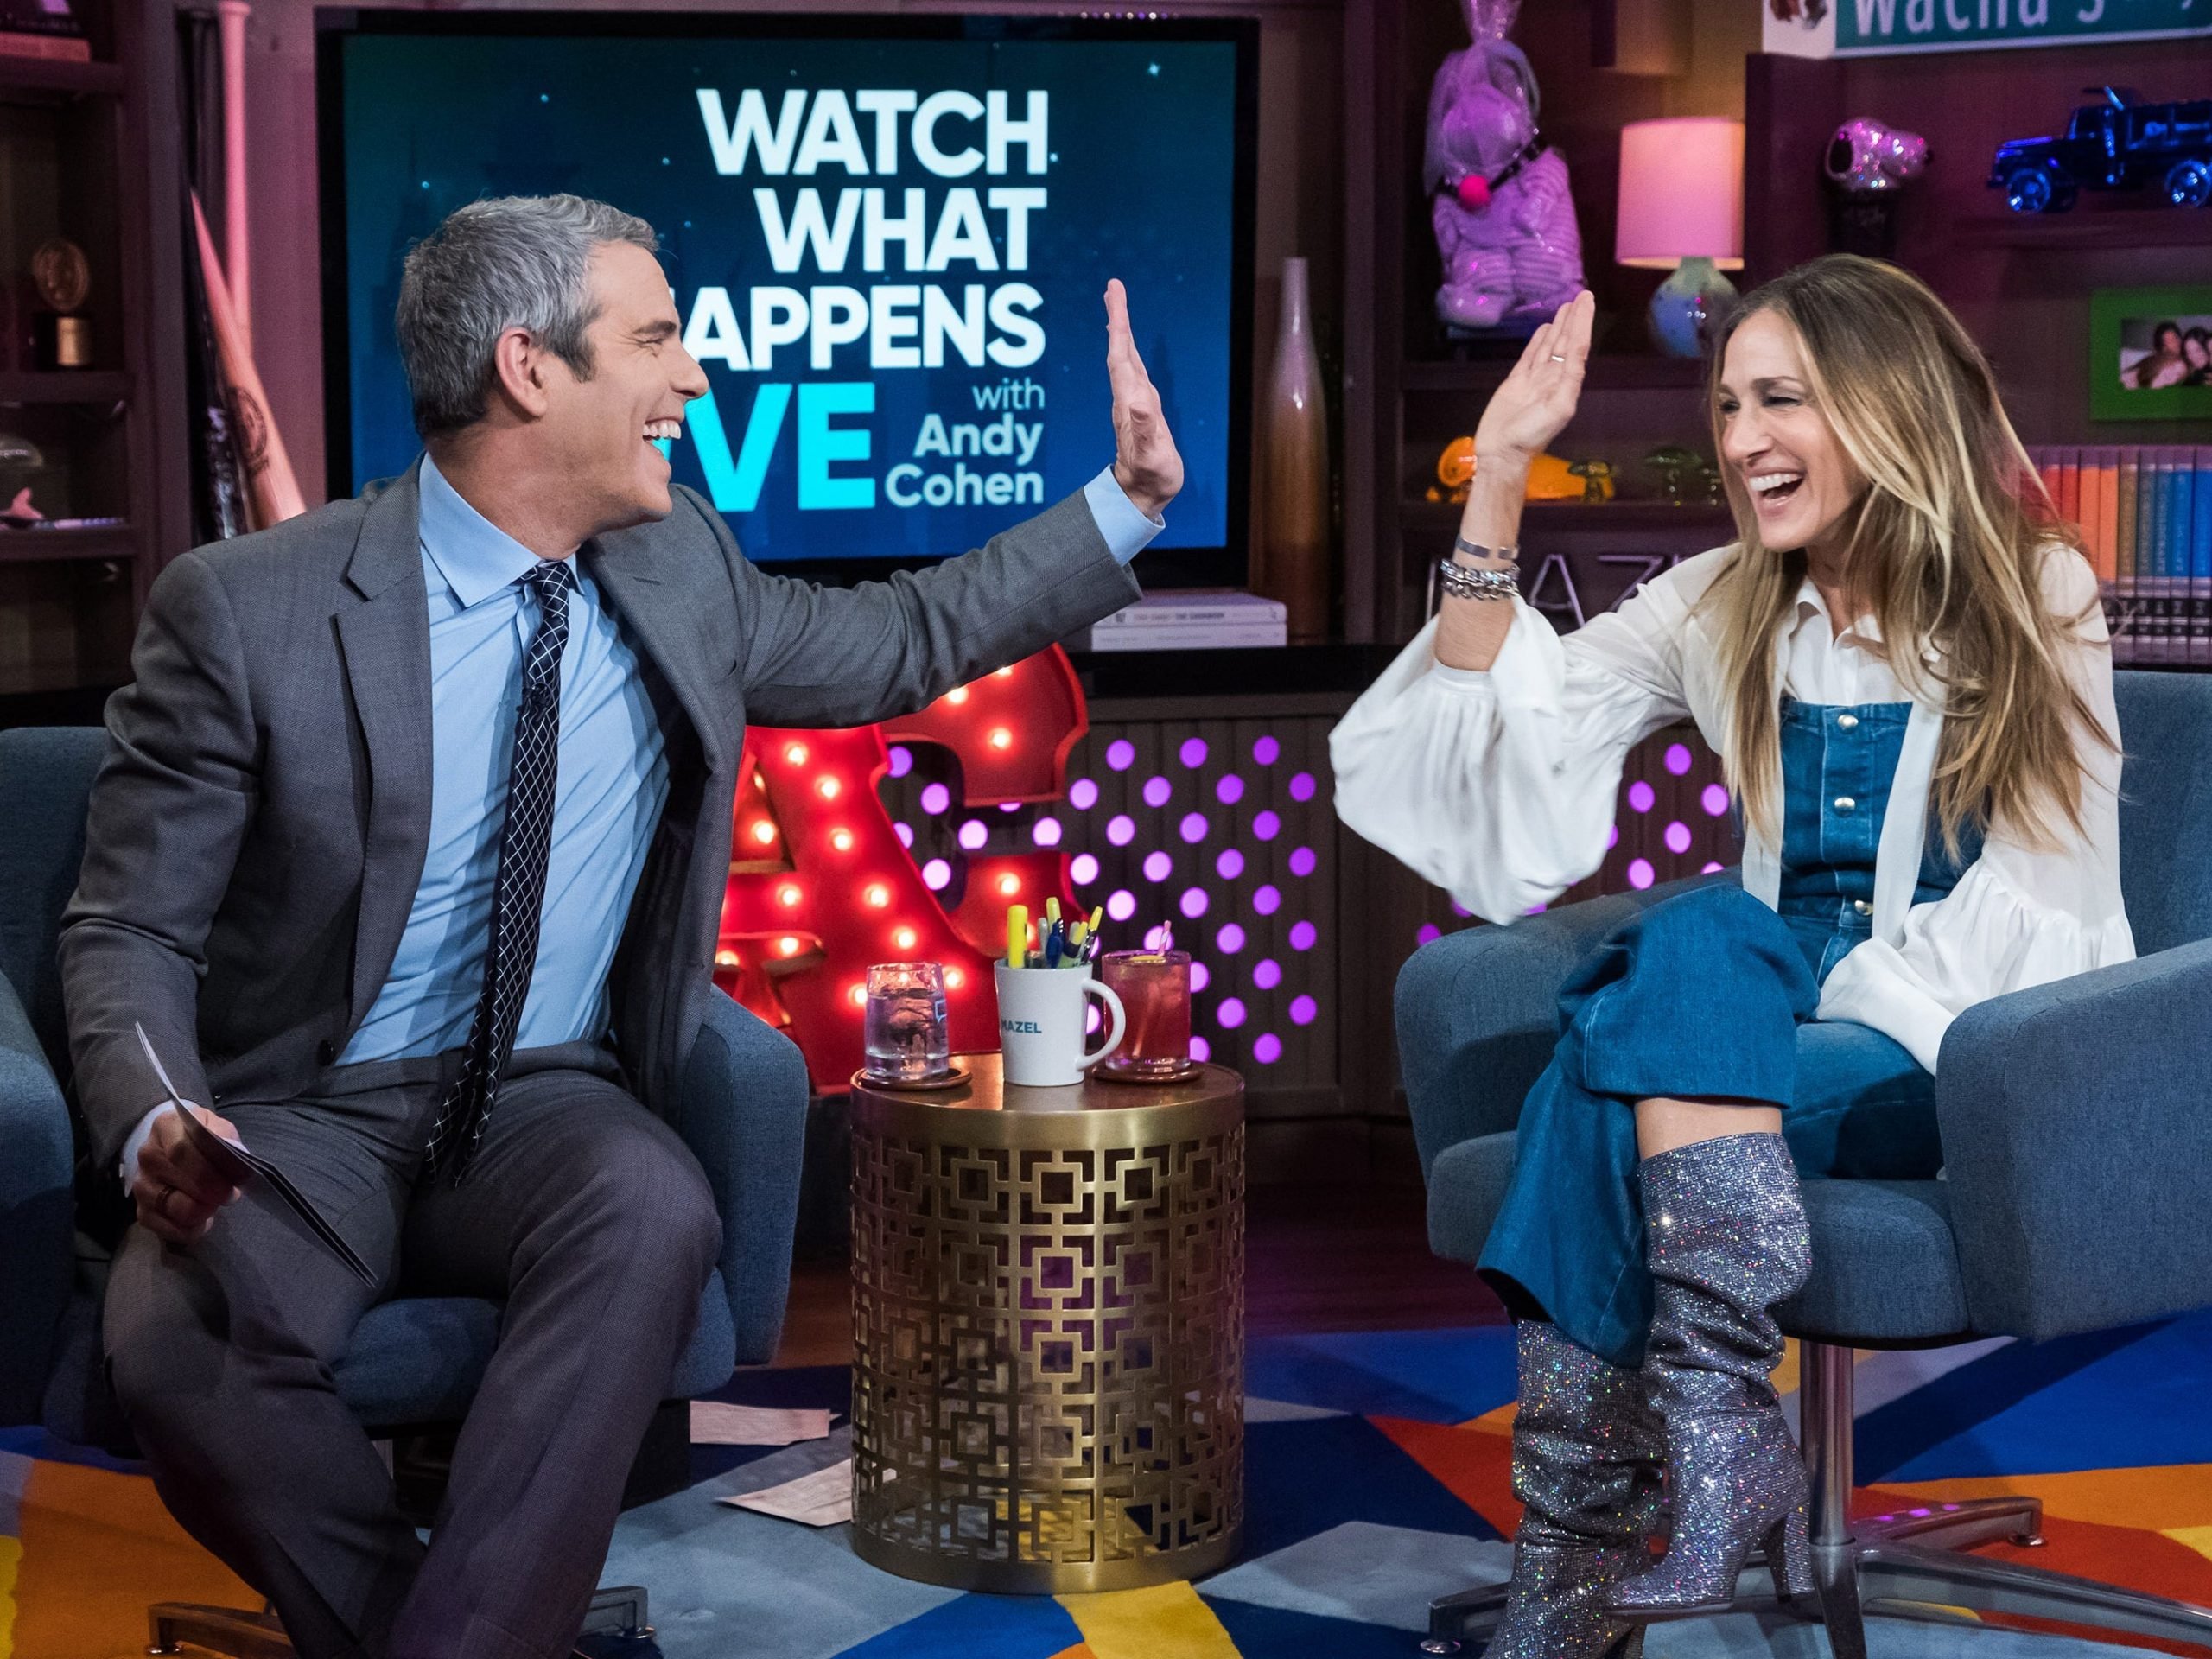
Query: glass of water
pixel 905 1037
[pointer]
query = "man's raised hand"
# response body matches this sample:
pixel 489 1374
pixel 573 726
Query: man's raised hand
pixel 1146 464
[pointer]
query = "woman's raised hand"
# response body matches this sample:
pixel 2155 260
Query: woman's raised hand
pixel 1529 408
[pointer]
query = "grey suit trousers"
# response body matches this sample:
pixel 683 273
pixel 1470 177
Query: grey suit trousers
pixel 583 1213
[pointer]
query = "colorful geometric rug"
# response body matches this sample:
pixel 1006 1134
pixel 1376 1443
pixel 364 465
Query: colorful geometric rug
pixel 1376 1480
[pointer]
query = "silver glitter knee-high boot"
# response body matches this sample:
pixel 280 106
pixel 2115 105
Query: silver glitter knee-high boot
pixel 1725 1240
pixel 1587 1453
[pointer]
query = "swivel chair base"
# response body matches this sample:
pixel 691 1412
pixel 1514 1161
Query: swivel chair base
pixel 614 1628
pixel 1906 1565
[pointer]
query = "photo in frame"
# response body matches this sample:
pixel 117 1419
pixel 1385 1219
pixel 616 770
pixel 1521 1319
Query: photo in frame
pixel 2150 353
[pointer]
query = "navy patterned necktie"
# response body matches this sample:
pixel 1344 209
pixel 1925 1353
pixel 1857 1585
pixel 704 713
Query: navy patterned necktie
pixel 518 895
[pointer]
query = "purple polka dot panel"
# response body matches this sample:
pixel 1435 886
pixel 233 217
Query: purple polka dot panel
pixel 1221 828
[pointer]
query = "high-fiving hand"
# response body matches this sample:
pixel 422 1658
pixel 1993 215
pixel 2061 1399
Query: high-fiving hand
pixel 1536 400
pixel 1146 464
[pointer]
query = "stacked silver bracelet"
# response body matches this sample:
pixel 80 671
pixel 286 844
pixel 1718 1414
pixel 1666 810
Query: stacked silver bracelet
pixel 1464 581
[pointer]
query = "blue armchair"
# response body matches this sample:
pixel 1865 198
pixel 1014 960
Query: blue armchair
pixel 2077 1156
pixel 416 1361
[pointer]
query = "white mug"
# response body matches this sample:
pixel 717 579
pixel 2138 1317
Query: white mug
pixel 1041 1024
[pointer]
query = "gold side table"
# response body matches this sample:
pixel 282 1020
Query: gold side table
pixel 1048 1332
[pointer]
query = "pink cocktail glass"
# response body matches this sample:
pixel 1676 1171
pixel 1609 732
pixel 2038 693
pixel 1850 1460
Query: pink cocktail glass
pixel 1154 987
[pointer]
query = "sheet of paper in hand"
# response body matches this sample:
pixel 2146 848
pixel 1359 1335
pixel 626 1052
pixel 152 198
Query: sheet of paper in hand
pixel 237 1166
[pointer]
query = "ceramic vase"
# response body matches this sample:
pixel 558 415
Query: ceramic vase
pixel 1690 306
pixel 1291 553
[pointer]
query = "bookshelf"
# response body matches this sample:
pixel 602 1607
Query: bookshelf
pixel 2021 282
pixel 88 152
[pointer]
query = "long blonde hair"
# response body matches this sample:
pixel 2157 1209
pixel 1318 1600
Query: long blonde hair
pixel 1943 547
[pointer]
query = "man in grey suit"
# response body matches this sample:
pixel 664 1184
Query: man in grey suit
pixel 408 852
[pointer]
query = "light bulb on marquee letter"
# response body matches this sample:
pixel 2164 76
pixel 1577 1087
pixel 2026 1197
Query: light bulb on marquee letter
pixel 788 825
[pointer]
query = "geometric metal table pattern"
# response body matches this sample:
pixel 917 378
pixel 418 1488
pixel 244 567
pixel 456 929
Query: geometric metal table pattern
pixel 1048 1332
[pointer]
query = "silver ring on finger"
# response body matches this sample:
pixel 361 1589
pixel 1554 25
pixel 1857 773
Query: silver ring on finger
pixel 161 1203
pixel 1558 357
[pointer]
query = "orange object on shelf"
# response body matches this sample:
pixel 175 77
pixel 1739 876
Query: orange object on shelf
pixel 1551 478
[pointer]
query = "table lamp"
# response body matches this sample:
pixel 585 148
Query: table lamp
pixel 1681 208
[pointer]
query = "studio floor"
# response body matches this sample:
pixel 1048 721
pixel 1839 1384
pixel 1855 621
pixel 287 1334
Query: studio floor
pixel 1380 1385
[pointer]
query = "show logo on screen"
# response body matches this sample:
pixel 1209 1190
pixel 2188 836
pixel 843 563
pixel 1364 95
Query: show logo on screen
pixel 901 278
pixel 889 249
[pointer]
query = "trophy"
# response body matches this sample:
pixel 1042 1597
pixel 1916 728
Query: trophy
pixel 62 278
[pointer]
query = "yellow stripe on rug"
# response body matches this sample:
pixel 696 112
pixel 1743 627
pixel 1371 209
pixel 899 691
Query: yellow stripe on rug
pixel 1166 1621
pixel 11 1551
pixel 2166 1497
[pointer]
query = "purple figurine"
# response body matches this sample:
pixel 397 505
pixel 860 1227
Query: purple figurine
pixel 1504 219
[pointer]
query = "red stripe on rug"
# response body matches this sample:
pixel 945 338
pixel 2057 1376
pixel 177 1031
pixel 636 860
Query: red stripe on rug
pixel 1475 1465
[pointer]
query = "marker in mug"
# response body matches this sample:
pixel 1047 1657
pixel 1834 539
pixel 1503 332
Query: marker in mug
pixel 1017 936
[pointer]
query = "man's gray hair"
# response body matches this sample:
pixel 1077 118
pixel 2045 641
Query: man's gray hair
pixel 509 262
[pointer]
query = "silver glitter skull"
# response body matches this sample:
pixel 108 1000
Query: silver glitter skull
pixel 1867 158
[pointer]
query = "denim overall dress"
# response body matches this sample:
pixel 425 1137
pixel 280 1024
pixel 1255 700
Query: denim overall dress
pixel 1711 993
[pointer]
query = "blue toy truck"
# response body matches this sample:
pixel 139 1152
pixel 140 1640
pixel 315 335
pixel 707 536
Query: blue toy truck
pixel 2115 143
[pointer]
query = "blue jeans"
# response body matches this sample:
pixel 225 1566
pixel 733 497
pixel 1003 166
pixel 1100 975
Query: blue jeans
pixel 1708 994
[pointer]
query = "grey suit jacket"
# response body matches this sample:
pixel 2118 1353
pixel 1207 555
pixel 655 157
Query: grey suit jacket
pixel 260 821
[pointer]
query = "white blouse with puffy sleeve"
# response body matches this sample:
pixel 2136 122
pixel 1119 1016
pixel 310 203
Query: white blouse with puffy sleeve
pixel 1500 786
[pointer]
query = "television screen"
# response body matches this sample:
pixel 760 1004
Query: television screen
pixel 888 240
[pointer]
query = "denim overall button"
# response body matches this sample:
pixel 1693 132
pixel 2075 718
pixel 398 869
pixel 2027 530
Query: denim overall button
pixel 1862 907
pixel 1847 721
pixel 1843 804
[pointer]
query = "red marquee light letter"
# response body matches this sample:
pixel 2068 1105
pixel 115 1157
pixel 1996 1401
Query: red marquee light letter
pixel 820 885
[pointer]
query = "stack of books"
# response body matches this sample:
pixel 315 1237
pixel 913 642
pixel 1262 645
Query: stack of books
pixel 2146 516
pixel 1194 619
pixel 43 28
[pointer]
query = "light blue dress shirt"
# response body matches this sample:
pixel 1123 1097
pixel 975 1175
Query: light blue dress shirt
pixel 612 782
pixel 612 777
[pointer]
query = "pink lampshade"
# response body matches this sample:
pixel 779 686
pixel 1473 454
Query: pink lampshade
pixel 1682 193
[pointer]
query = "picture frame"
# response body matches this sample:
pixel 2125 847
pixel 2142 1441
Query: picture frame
pixel 2150 353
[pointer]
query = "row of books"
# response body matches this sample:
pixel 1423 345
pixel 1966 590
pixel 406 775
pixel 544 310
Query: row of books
pixel 2146 516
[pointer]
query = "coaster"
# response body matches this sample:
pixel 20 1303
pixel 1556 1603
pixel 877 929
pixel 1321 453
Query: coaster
pixel 950 1079
pixel 1107 1071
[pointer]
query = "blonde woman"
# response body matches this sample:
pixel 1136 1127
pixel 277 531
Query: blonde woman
pixel 1903 661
